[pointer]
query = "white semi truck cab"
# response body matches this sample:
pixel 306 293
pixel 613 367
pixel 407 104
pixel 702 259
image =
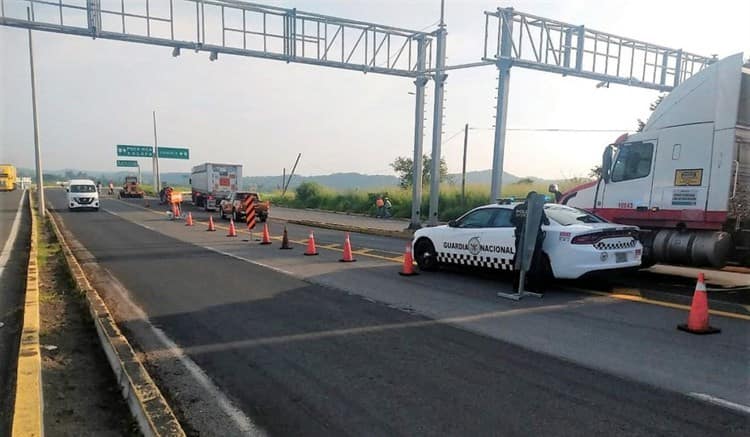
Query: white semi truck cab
pixel 685 179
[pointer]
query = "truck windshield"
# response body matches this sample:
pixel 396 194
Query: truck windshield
pixel 82 189
pixel 240 196
pixel 567 216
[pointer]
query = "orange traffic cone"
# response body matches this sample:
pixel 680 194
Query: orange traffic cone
pixel 311 250
pixel 211 226
pixel 348 258
pixel 232 230
pixel 698 316
pixel 189 220
pixel 266 235
pixel 285 240
pixel 408 268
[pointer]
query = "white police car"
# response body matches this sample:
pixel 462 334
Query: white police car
pixel 576 242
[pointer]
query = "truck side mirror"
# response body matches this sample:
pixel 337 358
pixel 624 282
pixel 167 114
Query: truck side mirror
pixel 609 152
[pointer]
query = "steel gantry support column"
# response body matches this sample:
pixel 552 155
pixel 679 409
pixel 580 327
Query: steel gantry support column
pixel 419 83
pixel 503 66
pixel 437 123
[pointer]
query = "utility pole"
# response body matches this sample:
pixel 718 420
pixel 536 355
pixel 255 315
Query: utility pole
pixel 463 169
pixel 157 178
pixel 437 118
pixel 420 82
pixel 291 174
pixel 503 83
pixel 283 178
pixel 37 149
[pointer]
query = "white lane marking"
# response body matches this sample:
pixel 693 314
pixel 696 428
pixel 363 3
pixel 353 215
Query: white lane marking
pixel 721 402
pixel 11 241
pixel 252 261
pixel 239 418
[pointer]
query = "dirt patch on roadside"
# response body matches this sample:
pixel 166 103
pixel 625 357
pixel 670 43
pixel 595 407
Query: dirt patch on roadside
pixel 81 396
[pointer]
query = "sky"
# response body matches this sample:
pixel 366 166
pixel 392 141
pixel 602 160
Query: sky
pixel 94 94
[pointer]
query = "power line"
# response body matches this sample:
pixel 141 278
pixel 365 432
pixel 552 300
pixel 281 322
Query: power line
pixel 455 135
pixel 553 129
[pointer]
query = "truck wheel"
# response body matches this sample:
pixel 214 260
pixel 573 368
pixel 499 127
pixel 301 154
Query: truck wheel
pixel 263 218
pixel 236 216
pixel 221 214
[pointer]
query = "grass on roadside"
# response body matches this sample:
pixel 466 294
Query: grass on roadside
pixel 312 195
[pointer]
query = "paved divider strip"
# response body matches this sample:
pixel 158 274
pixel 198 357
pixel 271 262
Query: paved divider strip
pixel 28 413
pixel 405 234
pixel 148 406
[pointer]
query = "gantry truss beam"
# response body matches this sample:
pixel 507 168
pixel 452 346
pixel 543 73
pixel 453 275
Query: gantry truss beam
pixel 554 46
pixel 230 27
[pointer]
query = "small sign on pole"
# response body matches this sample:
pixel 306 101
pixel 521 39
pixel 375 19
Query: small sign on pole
pixel 127 163
pixel 527 245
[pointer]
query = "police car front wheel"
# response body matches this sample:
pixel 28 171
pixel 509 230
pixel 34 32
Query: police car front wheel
pixel 424 253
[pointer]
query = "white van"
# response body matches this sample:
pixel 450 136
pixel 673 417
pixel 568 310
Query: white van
pixel 82 194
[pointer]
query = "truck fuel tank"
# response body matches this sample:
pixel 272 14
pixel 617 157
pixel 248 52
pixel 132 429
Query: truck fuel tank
pixel 695 248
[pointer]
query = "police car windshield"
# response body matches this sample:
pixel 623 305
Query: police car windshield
pixel 567 216
pixel 82 188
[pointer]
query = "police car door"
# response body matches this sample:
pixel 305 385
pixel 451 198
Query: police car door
pixel 498 246
pixel 461 244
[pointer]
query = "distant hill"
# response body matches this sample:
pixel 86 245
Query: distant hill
pixel 335 181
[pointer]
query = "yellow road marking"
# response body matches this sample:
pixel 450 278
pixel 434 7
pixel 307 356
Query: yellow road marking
pixel 27 413
pixel 400 259
pixel 633 298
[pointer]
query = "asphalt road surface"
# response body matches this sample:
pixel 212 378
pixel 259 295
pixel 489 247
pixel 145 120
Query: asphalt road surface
pixel 660 283
pixel 14 243
pixel 303 359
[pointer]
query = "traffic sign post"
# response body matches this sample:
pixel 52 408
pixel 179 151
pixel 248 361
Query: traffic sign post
pixel 140 151
pixel 174 153
pixel 130 163
pixel 127 163
pixel 135 151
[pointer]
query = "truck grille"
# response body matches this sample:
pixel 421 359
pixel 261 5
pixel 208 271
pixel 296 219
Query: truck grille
pixel 84 200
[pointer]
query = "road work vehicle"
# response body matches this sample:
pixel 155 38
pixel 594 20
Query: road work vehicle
pixel 210 183
pixel 232 206
pixel 82 194
pixel 7 177
pixel 685 179
pixel 131 188
pixel 576 242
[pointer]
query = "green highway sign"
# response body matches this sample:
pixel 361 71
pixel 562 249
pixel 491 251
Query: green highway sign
pixel 135 151
pixel 126 163
pixel 174 153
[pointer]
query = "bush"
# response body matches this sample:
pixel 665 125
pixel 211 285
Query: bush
pixel 309 192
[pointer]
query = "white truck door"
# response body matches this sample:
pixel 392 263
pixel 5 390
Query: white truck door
pixel 631 176
pixel 683 168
